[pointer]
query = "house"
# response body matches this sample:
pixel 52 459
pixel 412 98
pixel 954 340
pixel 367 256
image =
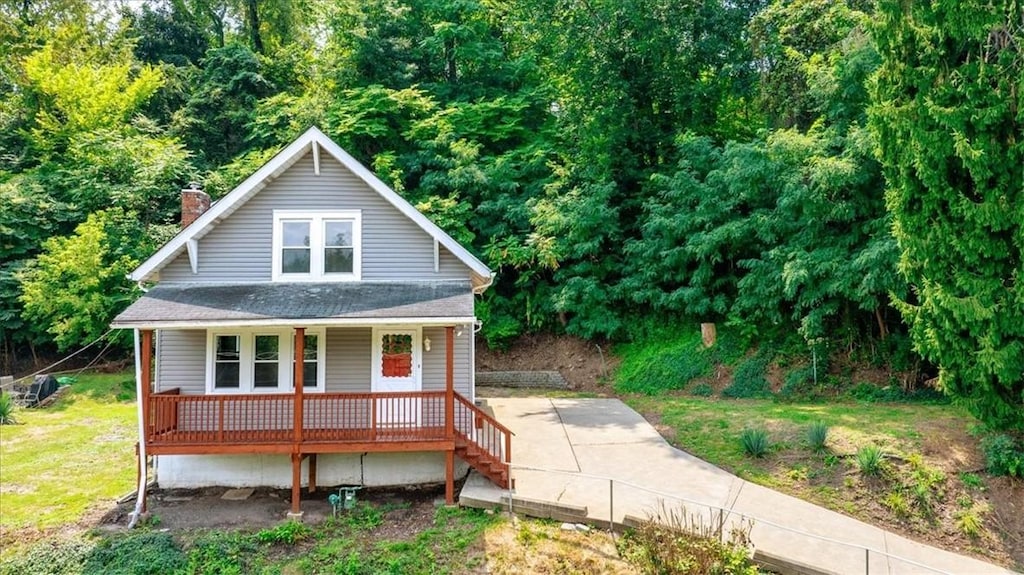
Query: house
pixel 312 270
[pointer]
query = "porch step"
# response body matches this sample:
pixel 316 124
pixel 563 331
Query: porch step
pixel 484 463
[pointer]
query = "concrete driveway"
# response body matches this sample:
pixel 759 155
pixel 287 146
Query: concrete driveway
pixel 590 460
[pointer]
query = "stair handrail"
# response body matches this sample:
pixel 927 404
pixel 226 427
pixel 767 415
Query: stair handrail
pixel 476 409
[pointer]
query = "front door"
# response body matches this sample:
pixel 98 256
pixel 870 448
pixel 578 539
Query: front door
pixel 397 367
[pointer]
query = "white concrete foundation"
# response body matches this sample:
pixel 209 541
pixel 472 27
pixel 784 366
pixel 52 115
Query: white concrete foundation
pixel 371 470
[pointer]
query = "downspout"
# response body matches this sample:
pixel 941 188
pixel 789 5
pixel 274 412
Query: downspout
pixel 143 479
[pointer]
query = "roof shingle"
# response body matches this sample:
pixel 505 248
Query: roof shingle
pixel 248 303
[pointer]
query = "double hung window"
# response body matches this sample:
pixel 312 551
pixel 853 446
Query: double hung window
pixel 262 361
pixel 317 246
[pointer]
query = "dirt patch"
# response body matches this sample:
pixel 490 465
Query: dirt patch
pixel 1006 497
pixel 514 547
pixel 410 510
pixel 586 366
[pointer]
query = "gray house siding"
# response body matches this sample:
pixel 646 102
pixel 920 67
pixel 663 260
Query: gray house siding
pixel 434 360
pixel 238 249
pixel 348 360
pixel 182 361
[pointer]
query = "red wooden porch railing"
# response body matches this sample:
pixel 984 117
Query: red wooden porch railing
pixel 176 419
pixel 483 442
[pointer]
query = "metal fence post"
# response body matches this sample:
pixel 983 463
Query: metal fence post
pixel 611 506
pixel 867 561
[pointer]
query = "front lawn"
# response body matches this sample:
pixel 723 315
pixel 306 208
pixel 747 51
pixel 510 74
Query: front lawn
pixel 61 462
pixel 929 483
pixel 710 428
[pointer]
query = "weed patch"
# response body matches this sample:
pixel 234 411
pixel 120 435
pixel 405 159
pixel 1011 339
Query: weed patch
pixel 57 556
pixel 672 541
pixel 139 553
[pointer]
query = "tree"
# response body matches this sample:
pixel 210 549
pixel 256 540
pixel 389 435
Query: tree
pixel 215 122
pixel 946 112
pixel 79 283
pixel 167 35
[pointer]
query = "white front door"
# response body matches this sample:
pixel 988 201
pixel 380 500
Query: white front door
pixel 397 366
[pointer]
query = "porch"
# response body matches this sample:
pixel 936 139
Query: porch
pixel 303 424
pixel 331 423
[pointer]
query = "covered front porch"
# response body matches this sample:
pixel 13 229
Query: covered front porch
pixel 304 370
pixel 301 425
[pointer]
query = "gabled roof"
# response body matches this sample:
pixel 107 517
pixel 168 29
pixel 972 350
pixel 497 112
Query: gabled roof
pixel 316 140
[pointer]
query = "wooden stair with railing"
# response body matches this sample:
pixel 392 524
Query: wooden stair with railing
pixel 483 442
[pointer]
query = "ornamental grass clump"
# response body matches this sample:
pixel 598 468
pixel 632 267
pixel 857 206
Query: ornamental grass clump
pixel 817 435
pixel 755 442
pixel 869 460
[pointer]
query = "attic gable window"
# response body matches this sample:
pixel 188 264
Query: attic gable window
pixel 317 246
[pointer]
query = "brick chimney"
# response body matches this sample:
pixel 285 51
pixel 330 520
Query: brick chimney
pixel 194 202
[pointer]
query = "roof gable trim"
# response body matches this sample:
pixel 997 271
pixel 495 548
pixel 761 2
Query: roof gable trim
pixel 318 141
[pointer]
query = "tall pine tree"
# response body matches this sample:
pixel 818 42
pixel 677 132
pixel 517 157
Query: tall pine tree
pixel 949 123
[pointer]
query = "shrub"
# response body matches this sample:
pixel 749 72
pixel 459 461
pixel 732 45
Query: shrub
pixel 7 409
pixel 144 553
pixel 675 542
pixel 755 442
pixel 894 393
pixel 869 459
pixel 1004 455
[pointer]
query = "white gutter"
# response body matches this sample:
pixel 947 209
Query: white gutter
pixel 318 322
pixel 483 287
pixel 137 513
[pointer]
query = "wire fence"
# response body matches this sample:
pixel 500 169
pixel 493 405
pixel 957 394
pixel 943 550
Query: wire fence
pixel 618 501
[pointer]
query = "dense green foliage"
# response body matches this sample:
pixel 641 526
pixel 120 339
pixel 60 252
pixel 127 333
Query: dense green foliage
pixel 623 167
pixel 950 134
pixel 1004 455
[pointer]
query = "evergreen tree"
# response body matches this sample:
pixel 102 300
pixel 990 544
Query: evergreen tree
pixel 947 104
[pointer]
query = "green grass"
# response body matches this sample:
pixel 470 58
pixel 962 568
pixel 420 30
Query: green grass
pixel 710 428
pixel 61 460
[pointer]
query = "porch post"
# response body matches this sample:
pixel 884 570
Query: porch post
pixel 449 412
pixel 147 377
pixel 296 512
pixel 300 341
pixel 144 355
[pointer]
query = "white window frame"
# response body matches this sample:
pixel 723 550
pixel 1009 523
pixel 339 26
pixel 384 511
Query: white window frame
pixel 247 351
pixel 317 220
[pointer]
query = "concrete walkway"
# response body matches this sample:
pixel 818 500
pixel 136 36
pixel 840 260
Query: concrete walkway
pixel 581 442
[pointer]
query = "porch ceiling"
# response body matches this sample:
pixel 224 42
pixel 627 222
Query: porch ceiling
pixel 310 303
